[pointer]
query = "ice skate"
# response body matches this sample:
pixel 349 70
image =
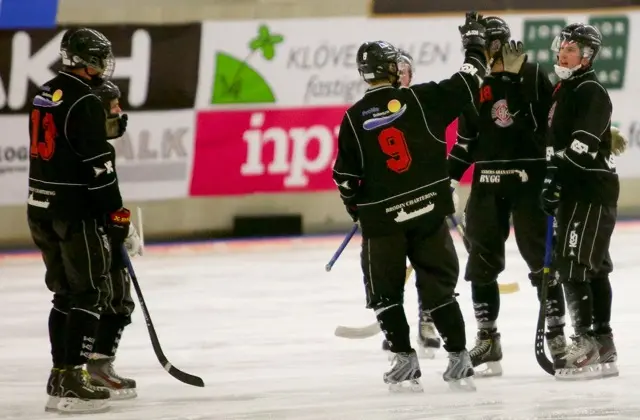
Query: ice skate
pixel 103 375
pixel 404 374
pixel 582 360
pixel 77 395
pixel 557 344
pixel 608 355
pixel 387 349
pixel 487 351
pixel 428 340
pixel 459 373
pixel 53 390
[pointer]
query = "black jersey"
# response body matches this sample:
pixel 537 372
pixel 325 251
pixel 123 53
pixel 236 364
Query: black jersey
pixel 391 160
pixel 506 136
pixel 71 168
pixel 579 141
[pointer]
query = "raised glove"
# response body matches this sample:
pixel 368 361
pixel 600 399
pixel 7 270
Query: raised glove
pixel 550 197
pixel 132 242
pixel 454 194
pixel 472 32
pixel 513 56
pixel 619 142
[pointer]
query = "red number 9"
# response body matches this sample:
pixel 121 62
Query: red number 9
pixel 394 145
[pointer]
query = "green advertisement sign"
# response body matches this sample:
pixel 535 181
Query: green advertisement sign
pixel 611 61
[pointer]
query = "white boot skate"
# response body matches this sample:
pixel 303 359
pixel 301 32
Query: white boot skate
pixel 405 373
pixel 459 373
pixel 582 360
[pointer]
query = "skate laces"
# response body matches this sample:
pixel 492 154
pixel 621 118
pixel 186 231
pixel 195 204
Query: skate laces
pixel 427 329
pixel 482 346
pixel 577 346
pixel 86 380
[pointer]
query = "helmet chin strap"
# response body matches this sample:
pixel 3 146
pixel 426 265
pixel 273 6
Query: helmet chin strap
pixel 565 73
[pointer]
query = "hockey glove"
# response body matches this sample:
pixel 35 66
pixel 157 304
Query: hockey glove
pixel 118 225
pixel 550 198
pixel 454 194
pixel 132 242
pixel 473 33
pixel 513 56
pixel 353 211
pixel 116 126
pixel 619 142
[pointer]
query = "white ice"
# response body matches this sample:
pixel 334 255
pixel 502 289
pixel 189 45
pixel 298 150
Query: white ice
pixel 257 325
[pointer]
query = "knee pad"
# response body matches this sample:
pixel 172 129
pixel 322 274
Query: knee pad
pixel 61 303
pixel 440 303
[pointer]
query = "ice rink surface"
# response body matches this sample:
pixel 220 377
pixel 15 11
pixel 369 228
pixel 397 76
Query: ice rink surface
pixel 256 319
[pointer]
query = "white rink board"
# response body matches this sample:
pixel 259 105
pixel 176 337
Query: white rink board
pixel 258 327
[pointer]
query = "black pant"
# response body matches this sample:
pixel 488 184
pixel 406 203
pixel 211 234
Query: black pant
pixel 432 255
pixel 487 229
pixel 119 299
pixel 77 256
pixel 584 234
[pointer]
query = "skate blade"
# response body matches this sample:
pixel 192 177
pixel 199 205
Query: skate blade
pixel 122 394
pixel 579 374
pixel 463 385
pixel 410 386
pixel 78 406
pixel 52 404
pixel 609 370
pixel 492 369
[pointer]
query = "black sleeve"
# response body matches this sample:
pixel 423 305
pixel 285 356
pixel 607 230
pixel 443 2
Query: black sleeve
pixel 461 155
pixel 86 130
pixel 348 168
pixel 449 97
pixel 593 119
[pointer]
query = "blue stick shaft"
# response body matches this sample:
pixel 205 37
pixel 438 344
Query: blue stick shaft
pixel 341 248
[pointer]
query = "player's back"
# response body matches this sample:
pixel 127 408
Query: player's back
pixel 404 157
pixel 57 174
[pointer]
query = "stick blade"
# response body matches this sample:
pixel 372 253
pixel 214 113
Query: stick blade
pixel 508 288
pixel 184 377
pixel 358 332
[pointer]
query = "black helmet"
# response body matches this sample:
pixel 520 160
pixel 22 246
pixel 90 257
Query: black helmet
pixel 83 48
pixel 378 61
pixel 588 38
pixel 107 92
pixel 497 34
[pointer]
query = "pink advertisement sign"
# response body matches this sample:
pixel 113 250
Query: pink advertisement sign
pixel 269 150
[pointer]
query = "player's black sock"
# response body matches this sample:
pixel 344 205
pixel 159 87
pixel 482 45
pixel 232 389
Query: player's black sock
pixel 450 324
pixel 80 337
pixel 603 296
pixel 57 332
pixel 486 303
pixel 580 302
pixel 393 322
pixel 109 334
pixel 555 305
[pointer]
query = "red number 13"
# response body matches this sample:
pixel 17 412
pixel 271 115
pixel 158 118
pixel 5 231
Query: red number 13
pixel 394 145
pixel 45 149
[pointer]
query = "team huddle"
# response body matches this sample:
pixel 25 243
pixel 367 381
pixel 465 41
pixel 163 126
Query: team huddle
pixel 544 158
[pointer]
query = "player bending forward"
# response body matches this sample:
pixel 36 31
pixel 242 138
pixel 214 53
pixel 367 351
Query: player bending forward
pixel 391 171
pixel 428 340
pixel 119 305
pixel 506 140
pixel 581 189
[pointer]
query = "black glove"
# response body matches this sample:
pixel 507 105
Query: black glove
pixel 116 126
pixel 473 33
pixel 550 197
pixel 353 211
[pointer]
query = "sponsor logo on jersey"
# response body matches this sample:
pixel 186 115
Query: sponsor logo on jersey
pixel 394 111
pixel 500 114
